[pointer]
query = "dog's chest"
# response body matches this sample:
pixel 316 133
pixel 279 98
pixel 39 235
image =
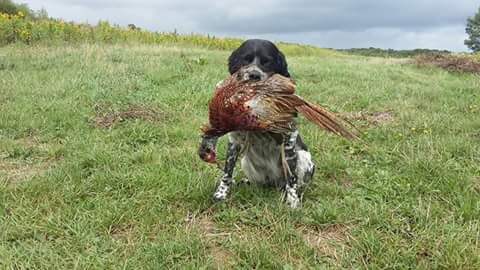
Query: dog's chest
pixel 261 159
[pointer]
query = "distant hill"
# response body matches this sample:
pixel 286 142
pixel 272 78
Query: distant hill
pixel 389 52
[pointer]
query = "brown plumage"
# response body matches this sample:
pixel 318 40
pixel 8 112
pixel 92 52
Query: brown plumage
pixel 268 105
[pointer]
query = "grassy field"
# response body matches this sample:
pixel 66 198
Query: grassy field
pixel 98 166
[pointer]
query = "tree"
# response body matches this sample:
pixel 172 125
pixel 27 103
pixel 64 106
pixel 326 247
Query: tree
pixel 473 31
pixel 132 26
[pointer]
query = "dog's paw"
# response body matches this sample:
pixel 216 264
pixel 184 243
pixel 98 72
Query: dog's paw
pixel 221 192
pixel 218 197
pixel 293 201
pixel 291 197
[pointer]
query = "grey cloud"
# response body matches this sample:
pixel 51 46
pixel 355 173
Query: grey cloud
pixel 310 15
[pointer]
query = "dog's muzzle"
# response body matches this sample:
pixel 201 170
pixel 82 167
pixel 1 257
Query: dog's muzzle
pixel 253 73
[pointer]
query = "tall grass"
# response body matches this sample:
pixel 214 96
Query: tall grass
pixel 18 28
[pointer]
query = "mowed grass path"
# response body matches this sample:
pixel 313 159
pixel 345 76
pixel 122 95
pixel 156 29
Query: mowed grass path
pixel 98 166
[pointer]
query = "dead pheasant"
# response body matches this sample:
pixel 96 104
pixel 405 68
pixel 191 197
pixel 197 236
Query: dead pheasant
pixel 268 105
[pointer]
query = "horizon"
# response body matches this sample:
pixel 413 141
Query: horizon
pixel 345 24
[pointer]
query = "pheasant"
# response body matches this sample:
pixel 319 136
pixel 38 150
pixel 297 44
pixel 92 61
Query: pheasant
pixel 267 105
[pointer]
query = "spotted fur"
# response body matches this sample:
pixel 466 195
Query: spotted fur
pixel 262 161
pixel 268 159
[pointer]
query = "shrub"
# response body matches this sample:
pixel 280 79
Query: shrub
pixel 450 62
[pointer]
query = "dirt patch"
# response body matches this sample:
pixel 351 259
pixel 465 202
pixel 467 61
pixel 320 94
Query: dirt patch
pixel 424 254
pixel 328 240
pixel 372 118
pixel 449 62
pixel 29 141
pixel 475 135
pixel 341 179
pixel 212 237
pixel 17 172
pixel 124 233
pixel 118 231
pixel 220 255
pixel 106 117
pixel 27 157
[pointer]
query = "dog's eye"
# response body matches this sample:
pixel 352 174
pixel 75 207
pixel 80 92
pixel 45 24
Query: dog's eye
pixel 248 58
pixel 264 61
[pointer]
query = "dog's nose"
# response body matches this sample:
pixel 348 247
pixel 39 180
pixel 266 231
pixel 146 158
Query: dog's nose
pixel 254 75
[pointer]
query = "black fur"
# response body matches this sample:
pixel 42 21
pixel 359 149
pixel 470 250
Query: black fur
pixel 261 52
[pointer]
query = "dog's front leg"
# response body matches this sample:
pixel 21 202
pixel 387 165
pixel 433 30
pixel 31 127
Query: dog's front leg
pixel 290 165
pixel 223 188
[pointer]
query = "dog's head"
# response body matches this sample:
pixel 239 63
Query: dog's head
pixel 258 60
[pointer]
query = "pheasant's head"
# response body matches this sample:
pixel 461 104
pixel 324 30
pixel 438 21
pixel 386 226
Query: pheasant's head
pixel 206 151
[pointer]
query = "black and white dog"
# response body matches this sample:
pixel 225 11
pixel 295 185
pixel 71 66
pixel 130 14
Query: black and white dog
pixel 270 159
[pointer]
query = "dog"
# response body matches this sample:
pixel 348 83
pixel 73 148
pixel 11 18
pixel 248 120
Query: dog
pixel 267 159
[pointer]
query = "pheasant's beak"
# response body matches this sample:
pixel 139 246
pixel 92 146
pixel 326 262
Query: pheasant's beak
pixel 206 151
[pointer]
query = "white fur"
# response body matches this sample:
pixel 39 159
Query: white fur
pixel 261 161
pixel 305 167
pixel 221 192
pixel 292 198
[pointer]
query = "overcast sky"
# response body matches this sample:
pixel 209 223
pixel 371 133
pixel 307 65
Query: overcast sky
pixel 407 24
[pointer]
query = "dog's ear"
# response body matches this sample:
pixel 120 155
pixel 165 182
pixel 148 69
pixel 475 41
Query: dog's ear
pixel 282 64
pixel 234 61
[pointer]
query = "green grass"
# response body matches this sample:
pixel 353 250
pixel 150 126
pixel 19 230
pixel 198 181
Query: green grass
pixel 98 166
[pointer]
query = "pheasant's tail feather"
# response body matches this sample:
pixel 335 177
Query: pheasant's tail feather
pixel 326 120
